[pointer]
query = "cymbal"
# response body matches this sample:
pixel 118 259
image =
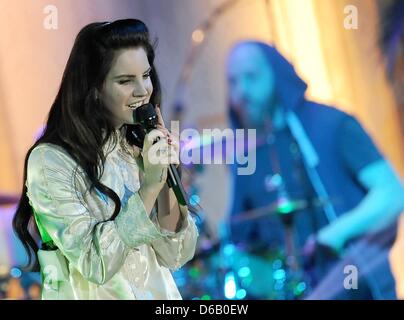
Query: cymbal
pixel 272 209
pixel 279 208
pixel 7 199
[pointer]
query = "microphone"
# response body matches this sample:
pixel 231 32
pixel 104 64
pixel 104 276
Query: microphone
pixel 146 116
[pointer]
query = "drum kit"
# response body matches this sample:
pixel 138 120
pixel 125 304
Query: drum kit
pixel 224 270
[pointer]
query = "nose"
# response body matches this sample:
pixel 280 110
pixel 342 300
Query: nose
pixel 240 92
pixel 243 87
pixel 140 89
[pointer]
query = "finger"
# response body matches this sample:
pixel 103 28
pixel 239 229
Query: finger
pixel 161 145
pixel 151 137
pixel 167 158
pixel 159 116
pixel 173 146
pixel 173 142
pixel 164 130
pixel 157 152
pixel 172 139
pixel 173 156
pixel 174 135
pixel 166 153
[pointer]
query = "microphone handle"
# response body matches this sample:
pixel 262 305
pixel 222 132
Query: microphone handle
pixel 174 182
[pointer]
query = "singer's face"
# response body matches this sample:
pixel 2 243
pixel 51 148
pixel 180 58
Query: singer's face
pixel 251 83
pixel 127 85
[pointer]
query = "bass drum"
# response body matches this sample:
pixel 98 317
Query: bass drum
pixel 232 273
pixel 260 274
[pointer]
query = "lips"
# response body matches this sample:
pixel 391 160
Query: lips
pixel 136 104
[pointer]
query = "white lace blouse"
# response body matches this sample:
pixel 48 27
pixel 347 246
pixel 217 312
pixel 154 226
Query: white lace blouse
pixel 129 258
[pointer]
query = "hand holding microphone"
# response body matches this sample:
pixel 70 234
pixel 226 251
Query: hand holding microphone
pixel 156 158
pixel 160 151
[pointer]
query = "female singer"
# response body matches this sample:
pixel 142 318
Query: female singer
pixel 110 226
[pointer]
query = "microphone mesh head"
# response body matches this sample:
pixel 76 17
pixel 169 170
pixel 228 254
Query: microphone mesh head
pixel 146 115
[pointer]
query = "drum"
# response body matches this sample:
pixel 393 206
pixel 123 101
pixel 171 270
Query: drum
pixel 261 274
pixel 234 273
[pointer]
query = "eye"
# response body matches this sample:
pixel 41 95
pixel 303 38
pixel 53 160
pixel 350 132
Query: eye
pixel 146 75
pixel 123 81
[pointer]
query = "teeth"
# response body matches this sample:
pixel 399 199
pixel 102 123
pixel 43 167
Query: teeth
pixel 136 105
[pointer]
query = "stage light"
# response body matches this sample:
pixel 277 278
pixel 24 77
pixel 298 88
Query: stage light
pixel 230 286
pixel 198 35
pixel 15 273
pixel 241 294
pixel 244 272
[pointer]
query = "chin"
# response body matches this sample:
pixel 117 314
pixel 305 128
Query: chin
pixel 128 122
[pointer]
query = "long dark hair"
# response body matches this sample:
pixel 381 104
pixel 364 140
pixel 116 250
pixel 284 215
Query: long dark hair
pixel 78 121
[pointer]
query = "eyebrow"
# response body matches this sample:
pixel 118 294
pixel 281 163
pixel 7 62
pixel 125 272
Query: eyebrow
pixel 131 75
